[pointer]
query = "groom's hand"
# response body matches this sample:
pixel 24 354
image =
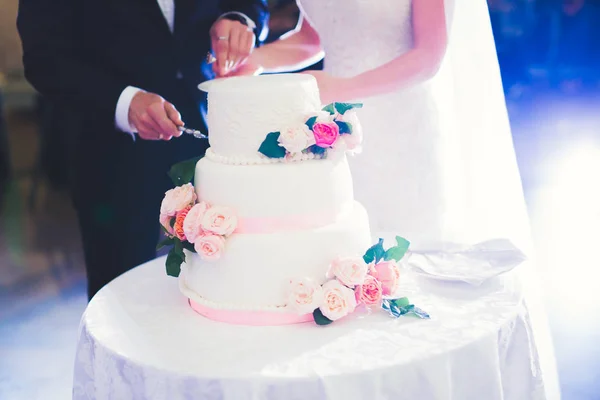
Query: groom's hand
pixel 232 42
pixel 153 117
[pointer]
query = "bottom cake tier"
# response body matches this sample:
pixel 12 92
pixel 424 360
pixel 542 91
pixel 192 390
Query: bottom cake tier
pixel 253 273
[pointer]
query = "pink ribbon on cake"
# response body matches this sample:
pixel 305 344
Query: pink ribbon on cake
pixel 248 317
pixel 279 224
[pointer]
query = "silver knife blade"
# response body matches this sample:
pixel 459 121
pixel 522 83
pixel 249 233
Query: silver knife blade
pixel 194 132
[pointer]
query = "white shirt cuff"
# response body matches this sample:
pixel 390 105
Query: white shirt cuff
pixel 122 110
pixel 251 24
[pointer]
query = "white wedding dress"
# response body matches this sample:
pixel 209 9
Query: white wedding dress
pixel 424 173
pixel 438 165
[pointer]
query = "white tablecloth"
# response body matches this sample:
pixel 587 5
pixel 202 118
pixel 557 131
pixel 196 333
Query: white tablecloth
pixel 139 339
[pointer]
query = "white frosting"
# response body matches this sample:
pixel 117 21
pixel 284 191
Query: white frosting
pixel 316 194
pixel 243 110
pixel 254 271
pixel 316 187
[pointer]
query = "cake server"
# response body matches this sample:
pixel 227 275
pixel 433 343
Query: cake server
pixel 195 133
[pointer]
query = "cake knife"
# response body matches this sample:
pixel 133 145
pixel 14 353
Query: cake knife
pixel 195 133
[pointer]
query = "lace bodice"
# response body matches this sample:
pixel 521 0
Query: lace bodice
pixel 358 35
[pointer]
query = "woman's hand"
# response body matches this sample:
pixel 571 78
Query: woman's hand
pixel 331 88
pixel 249 67
pixel 232 42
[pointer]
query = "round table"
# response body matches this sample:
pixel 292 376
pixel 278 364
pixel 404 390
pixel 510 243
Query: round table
pixel 139 339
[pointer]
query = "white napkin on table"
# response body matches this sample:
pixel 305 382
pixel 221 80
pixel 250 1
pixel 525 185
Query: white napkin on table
pixel 473 264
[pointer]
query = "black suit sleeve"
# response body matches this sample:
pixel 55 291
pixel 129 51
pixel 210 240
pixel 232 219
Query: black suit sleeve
pixel 256 10
pixel 54 61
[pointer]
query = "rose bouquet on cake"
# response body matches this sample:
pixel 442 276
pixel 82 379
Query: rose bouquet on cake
pixel 372 281
pixel 191 224
pixel 336 127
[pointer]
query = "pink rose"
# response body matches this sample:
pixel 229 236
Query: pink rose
pixel 325 133
pixel 178 226
pixel 219 220
pixel 351 271
pixel 370 292
pixel 388 273
pixel 210 247
pixel 177 199
pixel 305 295
pixel 165 221
pixel 338 300
pixel 192 224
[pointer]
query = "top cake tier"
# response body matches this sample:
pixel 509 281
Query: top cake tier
pixel 243 110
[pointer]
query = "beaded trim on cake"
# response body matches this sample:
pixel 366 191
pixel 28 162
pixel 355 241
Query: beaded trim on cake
pixel 211 155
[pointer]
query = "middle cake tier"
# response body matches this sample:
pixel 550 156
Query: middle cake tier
pixel 315 190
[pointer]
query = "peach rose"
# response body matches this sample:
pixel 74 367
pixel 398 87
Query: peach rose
pixel 338 300
pixel 177 199
pixel 388 273
pixel 351 271
pixel 219 220
pixel 165 221
pixel 192 224
pixel 305 295
pixel 178 226
pixel 370 292
pixel 325 133
pixel 352 141
pixel 210 247
pixel 322 116
pixel 294 140
pixel 351 118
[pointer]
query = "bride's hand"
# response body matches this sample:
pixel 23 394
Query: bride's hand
pixel 331 88
pixel 249 67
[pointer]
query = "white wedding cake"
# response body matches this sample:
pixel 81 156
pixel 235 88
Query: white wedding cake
pixel 270 224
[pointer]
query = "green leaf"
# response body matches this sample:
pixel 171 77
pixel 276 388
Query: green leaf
pixel 345 127
pixel 343 107
pixel 189 246
pixel 172 222
pixel 173 263
pixel 419 313
pixel 317 150
pixel 165 231
pixel 374 253
pixel 165 242
pixel 401 306
pixel 311 122
pixel 320 319
pixel 178 247
pixel 183 172
pixel 401 302
pixel 330 108
pixel 397 252
pixel 270 146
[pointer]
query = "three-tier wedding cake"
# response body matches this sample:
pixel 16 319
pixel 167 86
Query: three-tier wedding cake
pixel 267 231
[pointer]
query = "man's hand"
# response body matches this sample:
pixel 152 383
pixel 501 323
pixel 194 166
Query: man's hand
pixel 232 42
pixel 153 117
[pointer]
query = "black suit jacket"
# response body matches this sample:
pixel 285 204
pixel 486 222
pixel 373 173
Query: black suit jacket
pixel 83 53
